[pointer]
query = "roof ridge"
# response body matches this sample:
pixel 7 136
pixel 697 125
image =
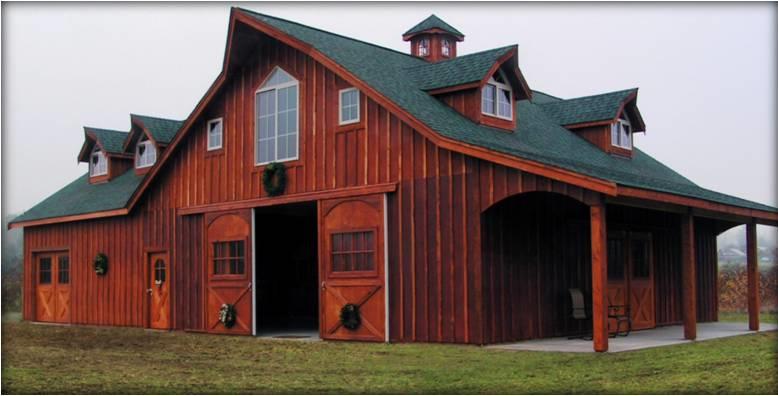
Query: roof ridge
pixel 154 117
pixel 591 96
pixel 104 129
pixel 328 32
pixel 547 94
pixel 458 58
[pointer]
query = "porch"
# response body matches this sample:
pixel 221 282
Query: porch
pixel 651 338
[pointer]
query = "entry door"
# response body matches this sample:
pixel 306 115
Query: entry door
pixel 353 284
pixel 617 274
pixel 228 271
pixel 159 290
pixel 641 282
pixel 53 288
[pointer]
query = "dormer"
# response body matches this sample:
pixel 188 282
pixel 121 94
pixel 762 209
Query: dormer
pixel 608 121
pixel 147 139
pixel 433 39
pixel 103 151
pixel 484 87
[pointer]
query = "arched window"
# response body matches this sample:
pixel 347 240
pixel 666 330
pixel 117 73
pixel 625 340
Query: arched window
pixel 424 47
pixel 98 164
pixel 145 153
pixel 445 48
pixel 621 132
pixel 276 134
pixel 159 272
pixel 496 97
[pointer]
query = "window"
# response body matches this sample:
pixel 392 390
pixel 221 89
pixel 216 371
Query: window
pixel 496 98
pixel 98 164
pixel 445 48
pixel 159 272
pixel 353 251
pixel 276 119
pixel 63 271
pixel 349 106
pixel 215 134
pixel 44 271
pixel 621 133
pixel 145 153
pixel 228 258
pixel 424 47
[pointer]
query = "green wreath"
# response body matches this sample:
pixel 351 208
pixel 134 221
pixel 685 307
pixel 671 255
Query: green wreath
pixel 227 315
pixel 349 316
pixel 101 264
pixel 274 178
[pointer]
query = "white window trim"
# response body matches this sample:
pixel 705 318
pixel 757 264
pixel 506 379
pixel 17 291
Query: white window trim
pixel 146 142
pixel 256 116
pixel 95 151
pixel 445 45
pixel 208 134
pixel 618 125
pixel 426 47
pixel 497 87
pixel 340 106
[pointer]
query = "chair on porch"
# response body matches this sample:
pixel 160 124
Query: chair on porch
pixel 622 316
pixel 580 312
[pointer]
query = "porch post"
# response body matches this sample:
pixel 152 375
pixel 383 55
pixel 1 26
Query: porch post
pixel 752 268
pixel 599 277
pixel 689 277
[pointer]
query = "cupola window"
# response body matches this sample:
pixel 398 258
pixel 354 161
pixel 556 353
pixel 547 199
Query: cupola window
pixel 276 119
pixel 424 47
pixel 496 97
pixel 98 164
pixel 445 47
pixel 621 133
pixel 145 153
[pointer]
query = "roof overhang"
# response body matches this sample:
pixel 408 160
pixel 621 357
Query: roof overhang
pixel 409 36
pixel 628 104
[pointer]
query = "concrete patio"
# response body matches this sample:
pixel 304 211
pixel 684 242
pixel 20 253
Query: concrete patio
pixel 660 336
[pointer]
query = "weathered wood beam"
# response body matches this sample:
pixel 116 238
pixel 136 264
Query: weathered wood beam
pixel 752 260
pixel 689 277
pixel 599 277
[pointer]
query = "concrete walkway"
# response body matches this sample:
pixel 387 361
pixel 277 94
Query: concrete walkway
pixel 660 336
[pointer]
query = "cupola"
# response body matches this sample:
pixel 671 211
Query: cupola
pixel 433 39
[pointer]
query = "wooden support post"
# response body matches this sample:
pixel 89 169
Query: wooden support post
pixel 689 277
pixel 599 277
pixel 752 259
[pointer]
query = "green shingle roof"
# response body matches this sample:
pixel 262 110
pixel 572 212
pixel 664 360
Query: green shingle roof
pixel 588 108
pixel 433 22
pixel 539 135
pixel 162 130
pixel 461 70
pixel 80 197
pixel 112 141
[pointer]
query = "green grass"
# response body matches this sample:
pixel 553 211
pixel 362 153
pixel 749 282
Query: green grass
pixel 54 359
pixel 764 317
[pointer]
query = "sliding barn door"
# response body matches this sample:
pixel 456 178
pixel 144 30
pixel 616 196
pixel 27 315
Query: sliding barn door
pixel 228 269
pixel 353 289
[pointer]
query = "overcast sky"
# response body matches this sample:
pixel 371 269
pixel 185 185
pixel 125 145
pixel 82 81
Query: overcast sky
pixel 706 73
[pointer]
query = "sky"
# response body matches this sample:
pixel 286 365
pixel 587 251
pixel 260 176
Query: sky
pixel 706 73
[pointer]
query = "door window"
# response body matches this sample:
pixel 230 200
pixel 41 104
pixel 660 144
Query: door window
pixel 44 271
pixel 159 272
pixel 63 270
pixel 353 251
pixel 229 258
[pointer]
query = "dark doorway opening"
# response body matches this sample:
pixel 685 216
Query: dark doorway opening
pixel 287 293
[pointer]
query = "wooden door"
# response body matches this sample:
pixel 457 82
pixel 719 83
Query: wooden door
pixel 353 283
pixel 617 277
pixel 228 271
pixel 159 290
pixel 641 282
pixel 52 288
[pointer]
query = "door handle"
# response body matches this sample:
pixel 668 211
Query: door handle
pixel 149 290
pixel 323 286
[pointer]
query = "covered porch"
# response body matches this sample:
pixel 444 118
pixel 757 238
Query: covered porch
pixel 651 338
pixel 658 261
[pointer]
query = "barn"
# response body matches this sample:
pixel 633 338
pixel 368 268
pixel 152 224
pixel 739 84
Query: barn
pixel 331 185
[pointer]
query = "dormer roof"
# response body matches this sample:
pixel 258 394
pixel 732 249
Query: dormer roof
pixel 110 140
pixel 433 24
pixel 604 107
pixel 162 130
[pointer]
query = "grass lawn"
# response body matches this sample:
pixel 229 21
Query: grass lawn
pixel 764 317
pixel 54 359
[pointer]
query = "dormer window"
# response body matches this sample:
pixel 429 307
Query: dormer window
pixel 445 48
pixel 496 98
pixel 424 47
pixel 621 133
pixel 145 153
pixel 98 164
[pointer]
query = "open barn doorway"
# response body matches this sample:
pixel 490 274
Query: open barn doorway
pixel 287 298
